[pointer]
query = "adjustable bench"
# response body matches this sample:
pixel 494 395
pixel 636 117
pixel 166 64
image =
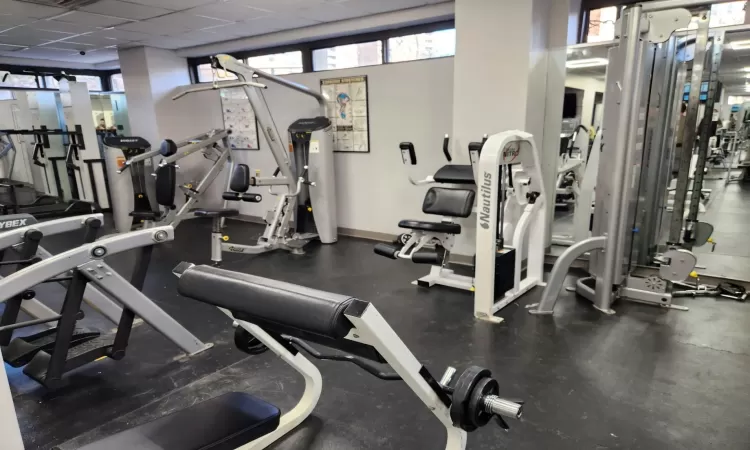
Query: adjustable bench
pixel 283 317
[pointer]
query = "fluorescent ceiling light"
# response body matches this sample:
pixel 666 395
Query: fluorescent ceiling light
pixel 740 45
pixel 590 62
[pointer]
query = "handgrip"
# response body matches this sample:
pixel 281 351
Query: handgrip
pixel 446 149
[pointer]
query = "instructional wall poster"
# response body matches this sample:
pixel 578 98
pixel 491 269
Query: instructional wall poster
pixel 348 112
pixel 240 118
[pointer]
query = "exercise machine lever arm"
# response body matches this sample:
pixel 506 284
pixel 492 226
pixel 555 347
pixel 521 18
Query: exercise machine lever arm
pixel 218 85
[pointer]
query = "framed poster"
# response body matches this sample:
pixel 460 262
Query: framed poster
pixel 240 118
pixel 348 111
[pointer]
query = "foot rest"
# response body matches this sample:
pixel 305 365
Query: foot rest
pixel 216 212
pixel 424 257
pixel 389 251
pixel 146 215
pixel 238 196
pixel 226 422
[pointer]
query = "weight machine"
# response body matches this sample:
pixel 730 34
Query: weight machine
pixel 135 156
pixel 617 183
pixel 508 203
pixel 309 199
pixel 81 267
pixel 17 197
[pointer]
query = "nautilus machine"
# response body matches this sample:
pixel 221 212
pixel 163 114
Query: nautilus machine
pixel 510 199
pixel 285 318
pixel 644 29
pixel 309 195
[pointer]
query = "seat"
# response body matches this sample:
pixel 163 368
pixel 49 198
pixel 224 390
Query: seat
pixel 221 423
pixel 436 227
pixel 278 307
pixel 146 215
pixel 215 212
pixel 455 174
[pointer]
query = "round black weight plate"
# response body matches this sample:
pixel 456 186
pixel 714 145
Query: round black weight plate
pixel 475 415
pixel 248 343
pixel 462 392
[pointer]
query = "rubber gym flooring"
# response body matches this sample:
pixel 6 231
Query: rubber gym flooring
pixel 643 379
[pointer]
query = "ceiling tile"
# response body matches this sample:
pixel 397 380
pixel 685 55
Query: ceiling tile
pixel 168 42
pixel 122 35
pixel 262 26
pixel 233 11
pixel 281 5
pixel 203 37
pixel 11 48
pixel 126 10
pixel 185 21
pixel 367 7
pixel 97 39
pixel 29 9
pixel 174 5
pixel 69 45
pixel 61 27
pixel 145 29
pixel 90 19
pixel 29 32
pixel 43 53
pixel 10 21
pixel 21 40
pixel 329 12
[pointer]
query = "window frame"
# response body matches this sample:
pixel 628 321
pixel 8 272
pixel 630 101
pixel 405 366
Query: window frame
pixel 307 47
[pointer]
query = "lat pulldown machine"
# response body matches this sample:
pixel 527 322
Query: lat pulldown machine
pixel 309 199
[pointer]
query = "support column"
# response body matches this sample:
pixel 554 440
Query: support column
pixel 509 73
pixel 151 77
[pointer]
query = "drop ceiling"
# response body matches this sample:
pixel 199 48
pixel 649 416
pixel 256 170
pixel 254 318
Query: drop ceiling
pixel 30 30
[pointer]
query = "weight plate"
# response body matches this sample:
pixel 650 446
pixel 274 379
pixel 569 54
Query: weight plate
pixel 475 414
pixel 462 392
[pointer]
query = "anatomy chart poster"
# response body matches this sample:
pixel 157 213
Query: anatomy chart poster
pixel 347 110
pixel 240 118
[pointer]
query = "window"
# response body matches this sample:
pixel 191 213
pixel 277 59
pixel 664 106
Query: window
pixel 727 14
pixel 93 82
pixel 602 24
pixel 116 83
pixel 422 46
pixel 278 63
pixel 206 74
pixel 20 81
pixel 348 56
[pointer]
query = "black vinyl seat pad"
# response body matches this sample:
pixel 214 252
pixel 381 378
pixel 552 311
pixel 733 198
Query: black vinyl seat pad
pixel 455 174
pixel 278 307
pixel 437 227
pixel 225 422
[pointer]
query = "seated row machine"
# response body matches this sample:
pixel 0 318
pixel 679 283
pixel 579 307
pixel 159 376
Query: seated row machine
pixel 285 317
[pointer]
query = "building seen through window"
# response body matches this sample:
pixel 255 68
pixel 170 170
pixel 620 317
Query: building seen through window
pixel 348 56
pixel 422 46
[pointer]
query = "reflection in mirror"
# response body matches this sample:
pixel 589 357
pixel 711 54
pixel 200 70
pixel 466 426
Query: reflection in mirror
pixel 110 116
pixel 583 108
pixel 723 209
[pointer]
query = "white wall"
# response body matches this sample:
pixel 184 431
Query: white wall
pixel 590 86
